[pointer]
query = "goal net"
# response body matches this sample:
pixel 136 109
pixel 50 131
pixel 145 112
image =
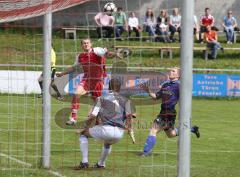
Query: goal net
pixel 21 54
pixel 22 9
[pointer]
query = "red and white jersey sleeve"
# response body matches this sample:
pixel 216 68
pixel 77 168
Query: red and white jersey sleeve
pixel 93 64
pixel 99 51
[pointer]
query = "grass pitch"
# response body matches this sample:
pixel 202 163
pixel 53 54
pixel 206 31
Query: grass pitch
pixel 215 154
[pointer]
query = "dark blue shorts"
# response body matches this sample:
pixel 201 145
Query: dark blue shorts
pixel 166 119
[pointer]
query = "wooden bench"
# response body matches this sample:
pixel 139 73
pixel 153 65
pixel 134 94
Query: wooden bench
pixel 206 50
pixel 169 49
pixel 236 34
pixel 71 32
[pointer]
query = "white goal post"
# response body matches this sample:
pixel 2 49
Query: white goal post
pixel 22 9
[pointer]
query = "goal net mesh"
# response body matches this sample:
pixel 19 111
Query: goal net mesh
pixel 22 9
pixel 216 153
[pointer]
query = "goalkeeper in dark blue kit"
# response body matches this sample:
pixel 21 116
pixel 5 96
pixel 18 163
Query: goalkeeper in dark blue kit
pixel 169 93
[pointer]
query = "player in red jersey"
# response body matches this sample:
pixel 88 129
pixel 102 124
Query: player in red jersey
pixel 92 60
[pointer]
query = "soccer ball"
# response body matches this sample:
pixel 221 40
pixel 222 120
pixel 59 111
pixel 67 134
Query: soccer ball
pixel 109 7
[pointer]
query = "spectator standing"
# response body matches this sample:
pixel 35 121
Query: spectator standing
pixel 120 20
pixel 133 25
pixel 229 23
pixel 162 27
pixel 175 24
pixel 105 23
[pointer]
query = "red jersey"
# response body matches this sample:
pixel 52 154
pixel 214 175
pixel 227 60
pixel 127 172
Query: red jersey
pixel 93 66
pixel 207 20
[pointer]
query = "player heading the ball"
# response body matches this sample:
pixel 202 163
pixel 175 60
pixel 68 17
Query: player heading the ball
pixel 92 61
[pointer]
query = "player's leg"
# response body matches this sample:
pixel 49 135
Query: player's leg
pixel 75 105
pixel 151 139
pixel 170 130
pixel 195 130
pixel 171 133
pixel 106 150
pixel 175 132
pixel 83 143
pixel 59 97
pixel 109 135
pixel 96 91
pixel 40 82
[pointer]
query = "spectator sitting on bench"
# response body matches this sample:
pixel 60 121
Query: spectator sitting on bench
pixel 206 20
pixel 105 24
pixel 150 23
pixel 175 24
pixel 229 23
pixel 120 20
pixel 133 25
pixel 162 27
pixel 212 42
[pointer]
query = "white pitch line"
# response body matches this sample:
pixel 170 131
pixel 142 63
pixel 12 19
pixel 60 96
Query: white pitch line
pixel 29 165
pixel 16 160
pixel 160 165
pixel 56 173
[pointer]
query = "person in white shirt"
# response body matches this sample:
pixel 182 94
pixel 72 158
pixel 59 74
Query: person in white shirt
pixel 133 25
pixel 162 27
pixel 175 24
pixel 150 22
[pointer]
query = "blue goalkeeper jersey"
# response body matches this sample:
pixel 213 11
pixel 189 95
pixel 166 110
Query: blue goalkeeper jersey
pixel 169 93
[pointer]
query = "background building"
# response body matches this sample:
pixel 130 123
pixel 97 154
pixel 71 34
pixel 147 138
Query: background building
pixel 82 15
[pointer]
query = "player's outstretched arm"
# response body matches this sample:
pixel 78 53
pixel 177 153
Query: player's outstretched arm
pixel 114 54
pixel 68 71
pixel 146 88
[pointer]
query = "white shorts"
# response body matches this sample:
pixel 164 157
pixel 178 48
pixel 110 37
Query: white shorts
pixel 107 133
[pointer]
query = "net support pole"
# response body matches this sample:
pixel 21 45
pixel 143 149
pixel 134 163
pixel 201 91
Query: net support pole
pixel 184 143
pixel 46 116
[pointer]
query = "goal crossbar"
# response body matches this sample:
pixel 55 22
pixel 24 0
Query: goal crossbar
pixel 13 10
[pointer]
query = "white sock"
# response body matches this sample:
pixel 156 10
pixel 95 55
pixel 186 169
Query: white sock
pixel 105 151
pixel 83 140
